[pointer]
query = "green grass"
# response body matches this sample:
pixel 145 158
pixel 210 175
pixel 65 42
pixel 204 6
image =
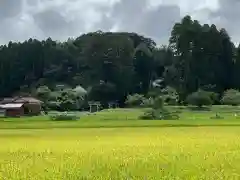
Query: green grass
pixel 128 118
pixel 116 145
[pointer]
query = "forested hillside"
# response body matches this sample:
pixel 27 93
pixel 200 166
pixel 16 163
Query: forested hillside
pixel 112 65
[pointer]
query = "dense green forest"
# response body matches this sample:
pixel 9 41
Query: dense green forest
pixel 111 66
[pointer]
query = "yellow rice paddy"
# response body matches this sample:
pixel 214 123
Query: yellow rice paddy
pixel 121 153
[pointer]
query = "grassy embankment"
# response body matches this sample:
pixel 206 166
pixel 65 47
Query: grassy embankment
pixel 129 118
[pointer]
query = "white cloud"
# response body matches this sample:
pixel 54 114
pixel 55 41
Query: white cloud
pixel 227 16
pixel 60 19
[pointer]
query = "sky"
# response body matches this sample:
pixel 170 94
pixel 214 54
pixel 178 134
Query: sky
pixel 63 19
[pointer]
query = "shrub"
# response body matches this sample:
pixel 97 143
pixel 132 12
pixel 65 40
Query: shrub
pixel 53 105
pixel 231 97
pixel 200 98
pixel 154 92
pixel 43 93
pixel 158 103
pixel 217 116
pixel 215 97
pixel 159 114
pixel 170 96
pixel 135 100
pixel 147 103
pixel 148 115
pixel 65 116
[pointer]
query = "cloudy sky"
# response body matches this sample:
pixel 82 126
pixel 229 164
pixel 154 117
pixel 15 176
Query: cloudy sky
pixel 60 19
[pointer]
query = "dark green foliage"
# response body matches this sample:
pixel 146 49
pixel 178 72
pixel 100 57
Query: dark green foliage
pixel 158 103
pixel 203 55
pixel 147 103
pixel 158 112
pixel 144 66
pixel 62 99
pixel 67 100
pixel 135 100
pixel 231 97
pixel 85 60
pixel 43 93
pixel 170 96
pixel 200 98
pixel 215 97
pixel 53 105
pixel 103 92
pixel 113 65
pixel 154 92
pixel 65 116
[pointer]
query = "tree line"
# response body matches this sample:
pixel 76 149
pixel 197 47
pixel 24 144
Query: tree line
pixel 111 66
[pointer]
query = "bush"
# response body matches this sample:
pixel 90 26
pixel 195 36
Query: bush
pixel 231 97
pixel 159 114
pixel 53 105
pixel 135 100
pixel 215 97
pixel 65 116
pixel 217 116
pixel 148 115
pixel 200 98
pixel 154 92
pixel 170 96
pixel 43 93
pixel 146 103
pixel 158 103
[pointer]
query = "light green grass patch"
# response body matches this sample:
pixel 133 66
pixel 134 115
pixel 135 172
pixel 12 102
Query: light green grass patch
pixel 127 118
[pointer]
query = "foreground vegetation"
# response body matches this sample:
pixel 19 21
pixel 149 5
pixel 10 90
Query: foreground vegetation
pixel 120 153
pixel 115 144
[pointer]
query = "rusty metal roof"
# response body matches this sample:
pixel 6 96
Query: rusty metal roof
pixel 20 100
pixel 11 106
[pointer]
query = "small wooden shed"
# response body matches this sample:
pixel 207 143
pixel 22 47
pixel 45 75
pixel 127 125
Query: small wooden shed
pixel 13 110
pixel 20 106
pixel 32 106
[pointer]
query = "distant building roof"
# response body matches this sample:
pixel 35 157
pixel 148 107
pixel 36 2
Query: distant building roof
pixel 11 106
pixel 7 100
pixel 20 100
pixel 27 99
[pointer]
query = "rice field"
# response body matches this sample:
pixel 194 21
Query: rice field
pixel 120 153
pixel 115 144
